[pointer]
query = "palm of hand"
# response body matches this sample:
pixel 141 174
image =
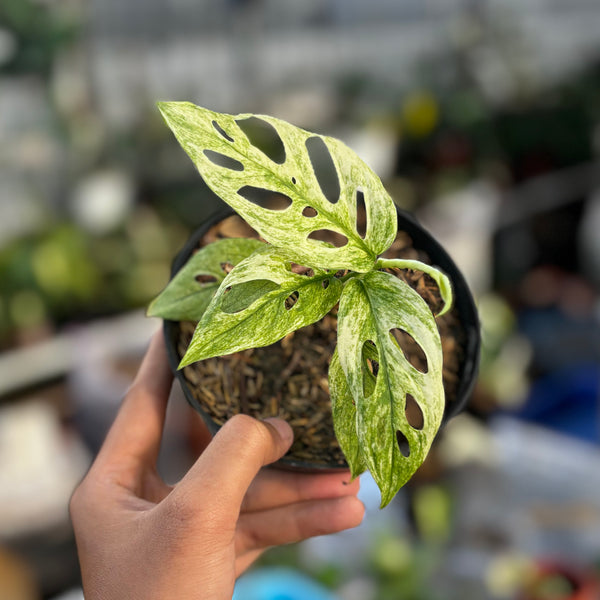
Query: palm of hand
pixel 138 537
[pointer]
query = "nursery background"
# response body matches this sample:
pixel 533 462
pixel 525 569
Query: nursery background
pixel 481 116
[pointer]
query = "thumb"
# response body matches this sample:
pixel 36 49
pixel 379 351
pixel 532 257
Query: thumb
pixel 232 460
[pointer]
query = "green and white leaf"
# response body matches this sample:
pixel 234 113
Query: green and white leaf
pixel 371 306
pixel 344 417
pixel 185 298
pixel 256 314
pixel 442 280
pixel 200 130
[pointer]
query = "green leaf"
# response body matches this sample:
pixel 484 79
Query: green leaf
pixel 290 301
pixel 189 293
pixel 230 164
pixel 442 280
pixel 344 417
pixel 371 307
pixel 244 294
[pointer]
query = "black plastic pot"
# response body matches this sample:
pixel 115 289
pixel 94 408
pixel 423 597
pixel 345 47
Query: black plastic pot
pixel 422 240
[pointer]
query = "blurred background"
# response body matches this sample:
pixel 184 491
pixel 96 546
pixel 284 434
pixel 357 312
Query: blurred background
pixel 481 116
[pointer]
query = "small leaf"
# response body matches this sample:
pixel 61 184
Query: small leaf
pixel 186 296
pixel 344 417
pixel 442 280
pixel 371 306
pixel 266 317
pixel 209 136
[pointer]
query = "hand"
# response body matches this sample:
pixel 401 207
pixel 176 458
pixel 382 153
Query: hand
pixel 139 538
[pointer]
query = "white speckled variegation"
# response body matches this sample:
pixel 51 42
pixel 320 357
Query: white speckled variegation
pixel 257 315
pixel 343 408
pixel 185 298
pixel 371 306
pixel 262 299
pixel 295 178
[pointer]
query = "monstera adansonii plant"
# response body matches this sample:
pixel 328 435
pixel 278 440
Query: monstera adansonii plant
pixel 249 293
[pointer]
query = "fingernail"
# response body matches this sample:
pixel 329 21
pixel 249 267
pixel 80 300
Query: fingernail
pixel 283 429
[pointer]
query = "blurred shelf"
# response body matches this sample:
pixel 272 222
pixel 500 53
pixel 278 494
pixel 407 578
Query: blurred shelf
pixel 28 367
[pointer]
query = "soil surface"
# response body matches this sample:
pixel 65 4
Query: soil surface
pixel 289 378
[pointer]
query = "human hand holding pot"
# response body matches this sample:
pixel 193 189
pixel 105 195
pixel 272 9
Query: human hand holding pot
pixel 138 537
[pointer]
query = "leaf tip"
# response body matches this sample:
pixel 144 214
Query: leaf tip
pixel 185 361
pixel 445 309
pixel 153 309
pixel 163 107
pixel 387 495
pixel 169 109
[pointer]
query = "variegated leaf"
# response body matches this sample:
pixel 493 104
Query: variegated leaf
pixel 230 164
pixel 372 306
pixel 344 417
pixel 442 280
pixel 187 295
pixel 260 302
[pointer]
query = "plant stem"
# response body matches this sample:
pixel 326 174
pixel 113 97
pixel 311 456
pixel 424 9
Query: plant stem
pixel 349 275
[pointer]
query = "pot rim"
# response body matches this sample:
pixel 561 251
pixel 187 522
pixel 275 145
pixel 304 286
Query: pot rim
pixel 440 258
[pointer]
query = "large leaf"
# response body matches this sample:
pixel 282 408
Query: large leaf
pixel 260 302
pixel 230 164
pixel 372 306
pixel 189 293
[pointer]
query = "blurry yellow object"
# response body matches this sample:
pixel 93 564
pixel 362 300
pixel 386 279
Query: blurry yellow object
pixel 432 506
pixel 420 114
pixel 393 556
pixel 506 355
pixel 62 267
pixel 16 581
pixel 508 573
pixel 52 269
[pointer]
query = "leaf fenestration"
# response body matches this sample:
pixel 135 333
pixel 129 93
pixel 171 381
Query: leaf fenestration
pixel 265 317
pixel 187 295
pixel 370 306
pixel 294 178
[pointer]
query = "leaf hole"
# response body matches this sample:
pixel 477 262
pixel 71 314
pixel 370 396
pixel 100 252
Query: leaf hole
pixel 373 366
pixel 309 212
pixel 203 279
pixel 361 214
pixel 325 284
pixel 265 198
pixel 414 414
pixel 222 160
pixel 413 353
pixel 226 267
pixel 242 295
pixel 324 168
pixel 291 300
pixel 222 132
pixel 370 367
pixel 301 270
pixel 329 237
pixel 403 444
pixel 262 135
